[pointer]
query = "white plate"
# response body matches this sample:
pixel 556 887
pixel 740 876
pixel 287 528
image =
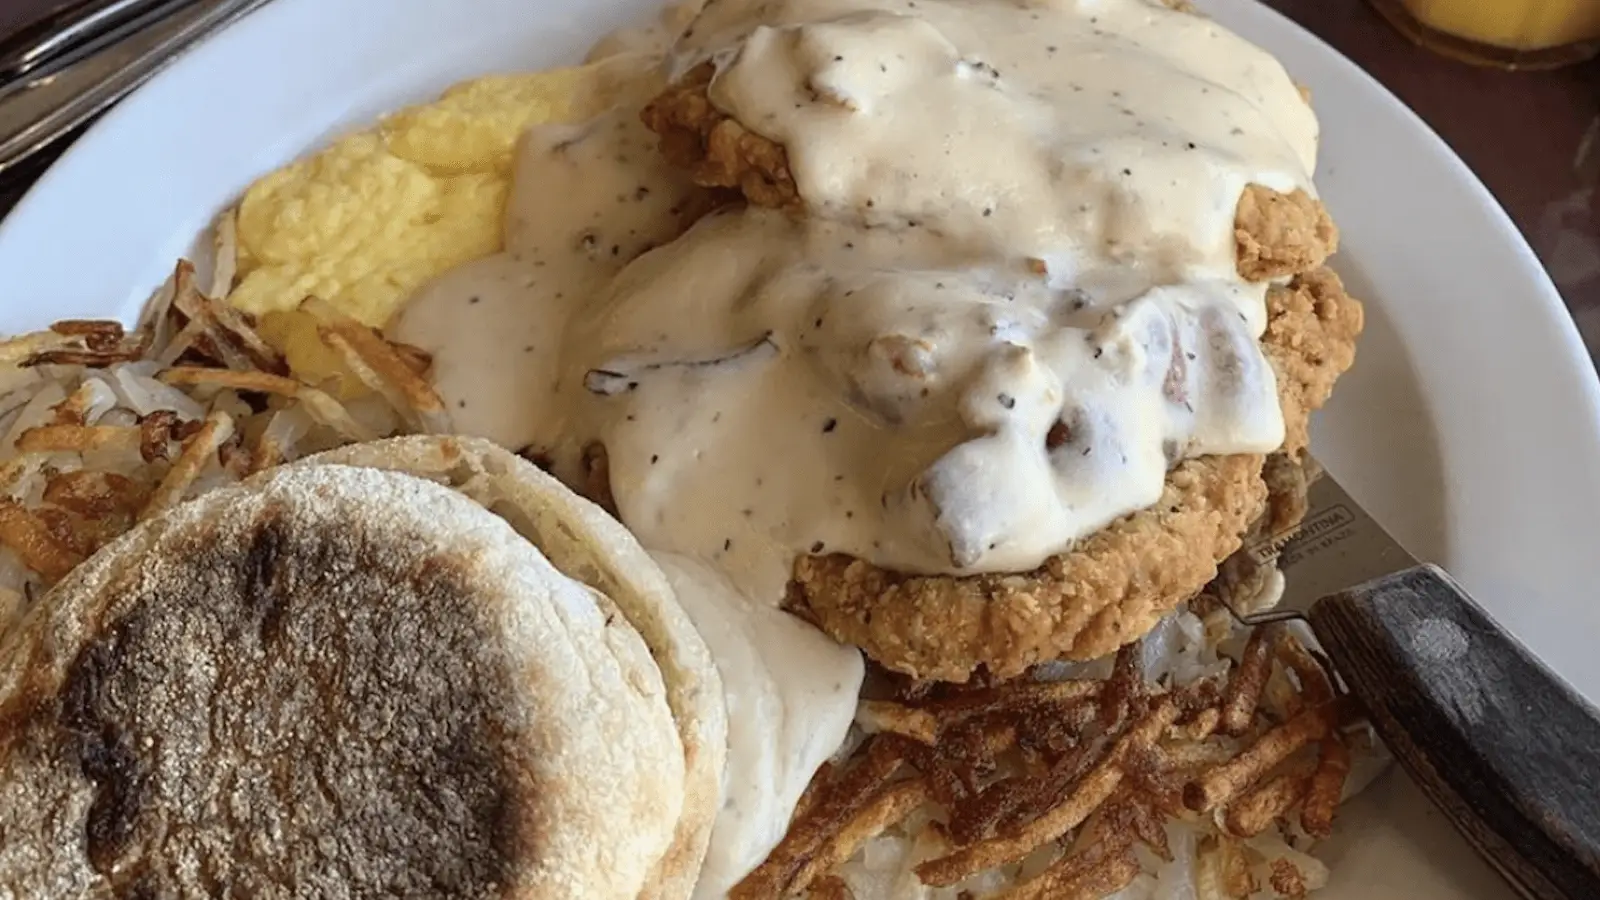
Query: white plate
pixel 1470 425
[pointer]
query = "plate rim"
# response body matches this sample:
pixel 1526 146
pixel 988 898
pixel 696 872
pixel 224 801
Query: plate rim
pixel 46 200
pixel 1576 367
pixel 1575 353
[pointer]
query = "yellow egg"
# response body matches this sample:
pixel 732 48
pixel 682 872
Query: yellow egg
pixel 294 334
pixel 334 204
pixel 474 126
pixel 365 222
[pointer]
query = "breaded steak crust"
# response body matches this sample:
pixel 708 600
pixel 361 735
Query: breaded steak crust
pixel 1113 586
pixel 714 148
pixel 1276 234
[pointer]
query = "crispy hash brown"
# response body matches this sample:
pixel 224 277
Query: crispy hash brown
pixel 101 427
pixel 1049 788
pixel 1116 583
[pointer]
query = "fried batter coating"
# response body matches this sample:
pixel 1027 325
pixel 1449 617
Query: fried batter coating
pixel 1115 585
pixel 1242 577
pixel 1312 328
pixel 1276 234
pixel 1112 587
pixel 715 149
pixel 1081 605
pixel 1279 234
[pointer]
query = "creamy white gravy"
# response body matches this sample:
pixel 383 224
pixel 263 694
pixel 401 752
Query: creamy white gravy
pixel 1110 139
pixel 586 200
pixel 810 399
pixel 1011 308
pixel 654 38
pixel 791 695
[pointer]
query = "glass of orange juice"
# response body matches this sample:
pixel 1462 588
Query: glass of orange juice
pixel 1514 34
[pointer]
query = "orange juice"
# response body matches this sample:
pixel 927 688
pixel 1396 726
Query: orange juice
pixel 1515 33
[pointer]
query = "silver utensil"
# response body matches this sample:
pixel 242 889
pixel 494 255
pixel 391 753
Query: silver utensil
pixel 38 111
pixel 1503 747
pixel 67 34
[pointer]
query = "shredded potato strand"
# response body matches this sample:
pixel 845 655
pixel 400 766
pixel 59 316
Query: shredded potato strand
pixel 1101 765
pixel 117 426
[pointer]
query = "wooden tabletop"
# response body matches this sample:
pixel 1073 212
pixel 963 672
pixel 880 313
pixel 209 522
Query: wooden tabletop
pixel 1533 137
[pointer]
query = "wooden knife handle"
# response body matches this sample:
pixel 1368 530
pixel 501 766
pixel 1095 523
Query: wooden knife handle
pixel 1501 745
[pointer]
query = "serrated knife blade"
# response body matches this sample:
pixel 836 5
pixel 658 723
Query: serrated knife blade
pixel 1507 750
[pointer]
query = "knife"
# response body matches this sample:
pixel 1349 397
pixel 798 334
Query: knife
pixel 1500 744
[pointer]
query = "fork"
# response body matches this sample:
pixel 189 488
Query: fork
pixel 71 79
pixel 68 33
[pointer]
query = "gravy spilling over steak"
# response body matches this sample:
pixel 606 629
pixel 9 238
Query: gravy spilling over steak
pixel 972 227
pixel 856 291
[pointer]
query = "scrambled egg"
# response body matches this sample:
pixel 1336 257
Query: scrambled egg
pixel 365 222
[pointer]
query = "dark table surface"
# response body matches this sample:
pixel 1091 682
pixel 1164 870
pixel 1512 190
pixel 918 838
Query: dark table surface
pixel 1533 137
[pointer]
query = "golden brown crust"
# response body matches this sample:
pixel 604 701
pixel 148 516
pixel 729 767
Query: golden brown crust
pixel 717 151
pixel 1243 579
pixel 1099 766
pixel 1080 605
pixel 1114 586
pixel 1312 326
pixel 1280 234
pixel 1276 234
